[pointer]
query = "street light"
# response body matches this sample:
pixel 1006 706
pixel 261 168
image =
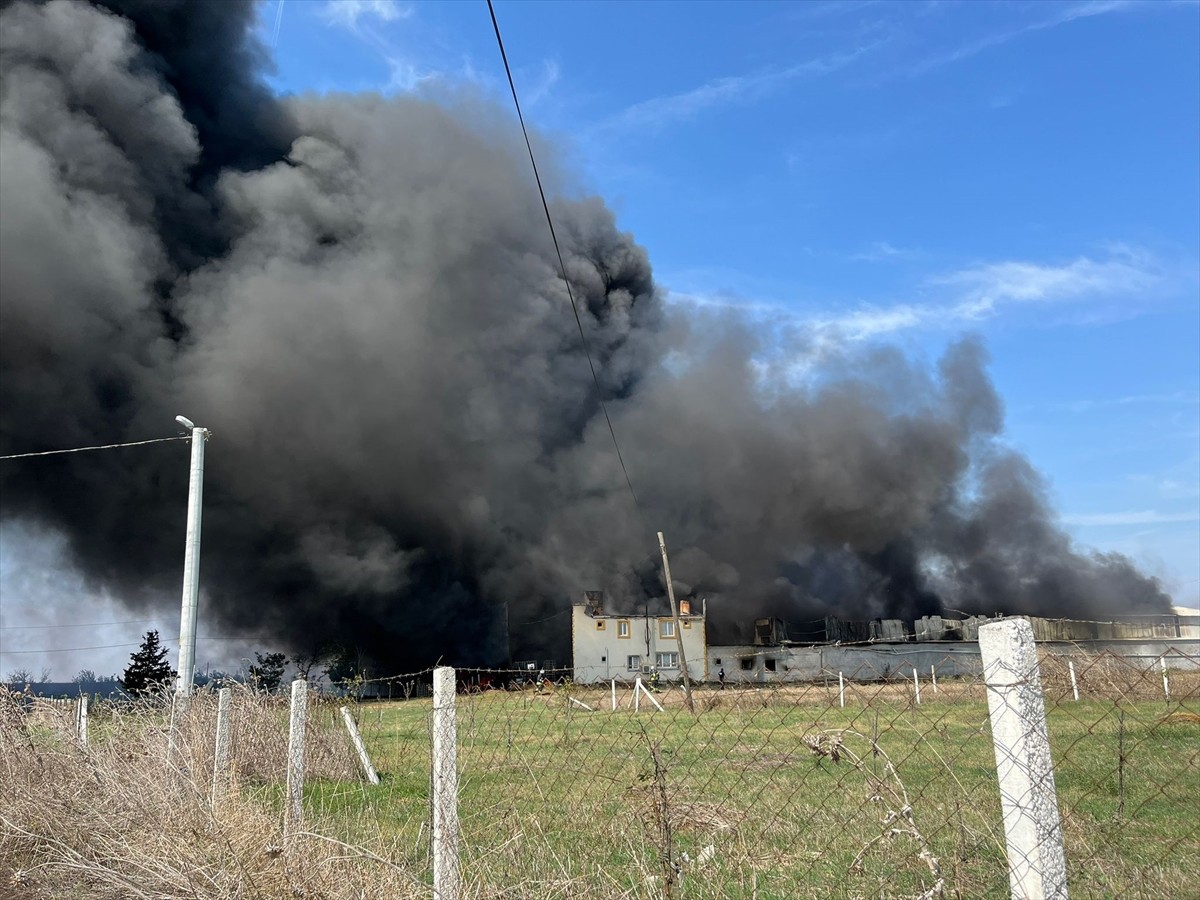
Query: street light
pixel 191 562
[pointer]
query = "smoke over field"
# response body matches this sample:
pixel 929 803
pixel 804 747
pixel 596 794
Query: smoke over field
pixel 359 297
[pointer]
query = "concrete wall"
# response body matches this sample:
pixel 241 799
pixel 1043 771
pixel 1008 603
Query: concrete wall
pixel 875 662
pixel 599 653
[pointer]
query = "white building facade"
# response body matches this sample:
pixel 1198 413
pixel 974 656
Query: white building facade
pixel 622 647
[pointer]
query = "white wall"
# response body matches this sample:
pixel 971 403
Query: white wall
pixel 600 654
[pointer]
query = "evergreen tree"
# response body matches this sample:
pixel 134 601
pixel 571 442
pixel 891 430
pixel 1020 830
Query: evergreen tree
pixel 269 671
pixel 148 668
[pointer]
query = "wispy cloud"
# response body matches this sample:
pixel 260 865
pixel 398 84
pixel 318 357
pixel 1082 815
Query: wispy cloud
pixel 350 13
pixel 969 296
pixel 1185 398
pixel 981 292
pixel 881 251
pixel 1130 517
pixel 1063 16
pixel 659 111
pixel 985 287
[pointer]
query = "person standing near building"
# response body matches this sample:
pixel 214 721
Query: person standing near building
pixel 721 677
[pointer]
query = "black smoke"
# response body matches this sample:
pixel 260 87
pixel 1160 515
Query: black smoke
pixel 358 296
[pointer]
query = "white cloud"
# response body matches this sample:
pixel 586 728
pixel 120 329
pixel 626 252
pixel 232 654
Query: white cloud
pixel 1062 17
pixel 880 251
pixel 348 13
pixel 985 287
pixel 658 111
pixel 1130 517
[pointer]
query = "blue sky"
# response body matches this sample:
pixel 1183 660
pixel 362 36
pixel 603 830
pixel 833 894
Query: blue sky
pixel 891 172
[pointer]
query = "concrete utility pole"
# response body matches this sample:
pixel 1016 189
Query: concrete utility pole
pixel 687 681
pixel 191 562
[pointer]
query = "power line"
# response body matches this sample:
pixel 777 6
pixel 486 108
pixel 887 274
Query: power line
pixel 78 625
pixel 562 266
pixel 98 447
pixel 165 641
pixel 70 649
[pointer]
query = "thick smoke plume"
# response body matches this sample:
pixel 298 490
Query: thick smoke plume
pixel 359 297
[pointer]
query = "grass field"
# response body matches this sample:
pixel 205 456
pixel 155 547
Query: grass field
pixel 772 793
pixel 734 802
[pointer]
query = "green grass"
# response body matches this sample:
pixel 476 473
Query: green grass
pixel 559 801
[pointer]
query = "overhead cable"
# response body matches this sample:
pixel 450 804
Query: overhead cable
pixel 562 266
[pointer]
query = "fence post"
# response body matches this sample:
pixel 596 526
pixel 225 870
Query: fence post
pixel 1032 826
pixel 917 685
pixel 372 775
pixel 1162 662
pixel 841 690
pixel 220 782
pixel 445 787
pixel 81 720
pixel 1074 683
pixel 933 677
pixel 614 695
pixel 293 812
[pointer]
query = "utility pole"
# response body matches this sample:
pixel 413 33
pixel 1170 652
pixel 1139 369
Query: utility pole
pixel 687 681
pixel 191 562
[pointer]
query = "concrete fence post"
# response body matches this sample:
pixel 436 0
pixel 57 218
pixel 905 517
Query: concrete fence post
pixel 841 690
pixel 1074 683
pixel 445 787
pixel 933 677
pixel 614 695
pixel 916 686
pixel 220 782
pixel 359 746
pixel 1028 801
pixel 81 720
pixel 293 811
pixel 1162 662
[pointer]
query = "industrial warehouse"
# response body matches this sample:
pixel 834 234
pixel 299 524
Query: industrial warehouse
pixel 621 646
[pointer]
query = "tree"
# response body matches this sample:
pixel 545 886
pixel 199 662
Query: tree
pixel 85 676
pixel 269 671
pixel 148 668
pixel 344 668
pixel 305 662
pixel 26 676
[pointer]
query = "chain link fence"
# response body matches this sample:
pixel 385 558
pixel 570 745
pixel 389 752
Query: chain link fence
pixel 512 785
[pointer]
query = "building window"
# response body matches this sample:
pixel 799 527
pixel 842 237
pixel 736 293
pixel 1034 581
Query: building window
pixel 633 663
pixel 748 663
pixel 623 628
pixel 770 664
pixel 687 624
pixel 667 660
pixel 717 660
pixel 600 626
pixel 666 628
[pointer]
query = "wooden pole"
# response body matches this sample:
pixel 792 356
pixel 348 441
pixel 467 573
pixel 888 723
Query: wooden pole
pixel 687 681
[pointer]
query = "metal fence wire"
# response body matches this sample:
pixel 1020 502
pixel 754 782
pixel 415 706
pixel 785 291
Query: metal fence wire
pixel 500 785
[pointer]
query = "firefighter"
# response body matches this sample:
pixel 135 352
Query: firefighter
pixel 654 678
pixel 540 683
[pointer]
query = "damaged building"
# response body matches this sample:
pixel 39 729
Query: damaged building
pixel 607 646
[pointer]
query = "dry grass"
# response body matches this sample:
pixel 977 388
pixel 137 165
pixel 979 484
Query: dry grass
pixel 116 821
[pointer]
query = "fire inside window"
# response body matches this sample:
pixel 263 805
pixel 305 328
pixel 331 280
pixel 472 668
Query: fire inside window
pixel 633 663
pixel 666 628
pixel 623 628
pixel 667 660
